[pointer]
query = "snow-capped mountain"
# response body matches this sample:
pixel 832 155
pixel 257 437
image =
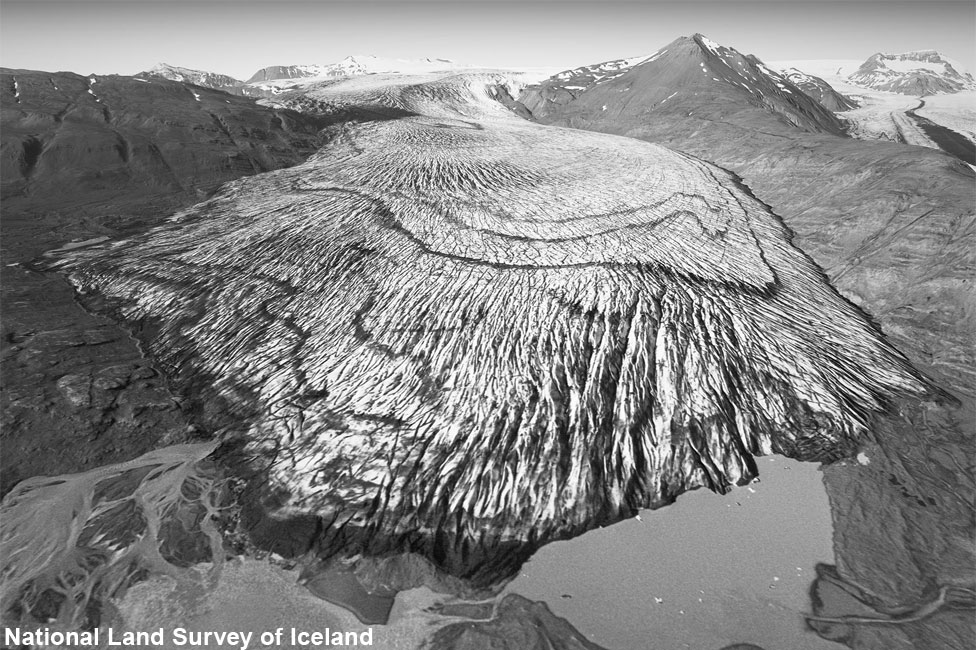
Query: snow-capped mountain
pixel 196 77
pixel 819 90
pixel 924 72
pixel 353 66
pixel 582 77
pixel 690 75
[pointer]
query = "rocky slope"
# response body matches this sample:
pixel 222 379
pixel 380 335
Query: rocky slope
pixel 691 75
pixel 819 90
pixel 87 157
pixel 913 73
pixel 68 135
pixel 195 77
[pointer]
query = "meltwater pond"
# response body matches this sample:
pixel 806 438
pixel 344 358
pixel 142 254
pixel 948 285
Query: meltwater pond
pixel 703 573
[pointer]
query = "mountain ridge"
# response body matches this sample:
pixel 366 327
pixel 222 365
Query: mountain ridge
pixel 353 65
pixel 692 74
pixel 203 78
pixel 818 89
pixel 921 72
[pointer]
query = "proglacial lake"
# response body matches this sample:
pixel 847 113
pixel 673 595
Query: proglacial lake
pixel 703 573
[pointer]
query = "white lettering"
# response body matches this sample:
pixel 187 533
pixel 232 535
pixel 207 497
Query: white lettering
pixel 136 638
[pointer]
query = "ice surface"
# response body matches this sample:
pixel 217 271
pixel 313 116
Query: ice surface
pixel 956 111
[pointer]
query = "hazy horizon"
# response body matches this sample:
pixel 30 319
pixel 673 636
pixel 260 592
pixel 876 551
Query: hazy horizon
pixel 238 38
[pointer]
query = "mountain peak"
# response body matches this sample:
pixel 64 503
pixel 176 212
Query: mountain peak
pixel 920 72
pixel 692 74
pixel 188 75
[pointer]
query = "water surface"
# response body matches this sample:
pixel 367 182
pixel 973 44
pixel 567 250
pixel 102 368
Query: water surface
pixel 703 573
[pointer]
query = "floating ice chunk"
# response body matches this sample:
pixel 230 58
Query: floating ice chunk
pixel 196 96
pixel 145 81
pixel 862 459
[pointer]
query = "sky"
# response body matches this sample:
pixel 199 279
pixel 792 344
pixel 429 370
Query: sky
pixel 238 37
